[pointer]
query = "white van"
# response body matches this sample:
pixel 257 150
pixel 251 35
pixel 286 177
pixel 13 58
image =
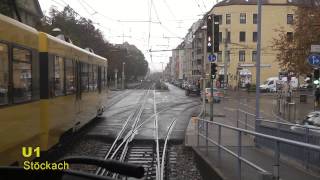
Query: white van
pixel 272 83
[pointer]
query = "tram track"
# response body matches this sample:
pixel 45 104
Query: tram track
pixel 149 154
pixel 157 155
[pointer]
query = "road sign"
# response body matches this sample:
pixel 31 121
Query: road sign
pixel 212 58
pixel 315 48
pixel 314 59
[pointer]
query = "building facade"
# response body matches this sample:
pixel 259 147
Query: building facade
pixel 238 37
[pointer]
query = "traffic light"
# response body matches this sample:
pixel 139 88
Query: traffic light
pixel 316 76
pixel 216 34
pixel 209 34
pixel 213 70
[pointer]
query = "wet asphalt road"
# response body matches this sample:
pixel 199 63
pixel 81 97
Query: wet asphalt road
pixel 169 105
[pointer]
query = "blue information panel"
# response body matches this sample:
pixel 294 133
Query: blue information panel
pixel 212 58
pixel 314 59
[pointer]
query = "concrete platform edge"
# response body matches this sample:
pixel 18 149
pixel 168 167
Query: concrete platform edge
pixel 207 169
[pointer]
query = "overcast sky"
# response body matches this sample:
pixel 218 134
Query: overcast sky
pixel 112 16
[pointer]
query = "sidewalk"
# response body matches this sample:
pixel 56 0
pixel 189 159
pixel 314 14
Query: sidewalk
pixel 268 104
pixel 225 112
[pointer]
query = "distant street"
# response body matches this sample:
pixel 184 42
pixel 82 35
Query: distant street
pixel 169 105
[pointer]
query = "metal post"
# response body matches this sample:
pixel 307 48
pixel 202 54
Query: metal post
pixel 207 148
pixel 289 112
pixel 219 143
pixel 276 161
pixel 122 86
pixel 116 78
pixel 204 73
pixel 258 63
pixel 238 111
pixel 295 112
pixel 211 103
pixel 306 152
pixel 204 96
pixel 239 154
pixel 246 121
pixel 198 132
pixel 225 60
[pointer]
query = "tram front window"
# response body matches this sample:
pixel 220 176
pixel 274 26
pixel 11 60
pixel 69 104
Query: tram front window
pixel 22 79
pixel 4 74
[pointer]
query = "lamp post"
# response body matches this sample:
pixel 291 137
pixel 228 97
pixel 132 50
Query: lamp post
pixel 258 65
pixel 123 74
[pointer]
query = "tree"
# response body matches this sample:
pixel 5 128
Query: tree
pixel 293 51
pixel 83 33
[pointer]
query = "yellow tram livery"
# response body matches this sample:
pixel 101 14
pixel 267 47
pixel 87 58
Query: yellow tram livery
pixel 48 88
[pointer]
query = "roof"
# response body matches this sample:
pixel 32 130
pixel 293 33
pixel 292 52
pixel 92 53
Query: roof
pixel 266 2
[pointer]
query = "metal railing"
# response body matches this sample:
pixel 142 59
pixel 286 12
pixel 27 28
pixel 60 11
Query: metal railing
pixel 297 132
pixel 240 159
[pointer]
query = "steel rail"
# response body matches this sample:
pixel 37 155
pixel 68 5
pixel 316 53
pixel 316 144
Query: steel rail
pixel 165 147
pixel 137 118
pixel 101 171
pixel 156 135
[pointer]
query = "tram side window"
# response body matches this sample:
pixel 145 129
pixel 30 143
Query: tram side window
pixel 4 74
pixel 58 76
pixel 90 78
pixel 70 77
pixel 22 79
pixel 95 77
pixel 84 77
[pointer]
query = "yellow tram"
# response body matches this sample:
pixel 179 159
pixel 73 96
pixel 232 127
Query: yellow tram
pixel 48 88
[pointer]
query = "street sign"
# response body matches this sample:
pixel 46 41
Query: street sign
pixel 212 58
pixel 314 59
pixel 315 48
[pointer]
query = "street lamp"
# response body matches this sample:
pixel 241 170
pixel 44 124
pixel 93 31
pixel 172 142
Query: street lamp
pixel 123 74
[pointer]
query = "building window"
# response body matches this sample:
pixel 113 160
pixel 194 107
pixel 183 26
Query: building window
pixel 255 18
pixel 228 56
pixel 290 36
pixel 58 77
pixel 22 77
pixel 228 37
pixel 254 56
pixel 220 19
pixel 243 18
pixel 220 37
pixel 289 18
pixel 219 56
pixel 70 77
pixel 242 56
pixel 228 18
pixel 254 36
pixel 4 74
pixel 242 37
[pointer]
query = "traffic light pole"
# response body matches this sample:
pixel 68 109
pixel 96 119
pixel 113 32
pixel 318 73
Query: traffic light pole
pixel 212 99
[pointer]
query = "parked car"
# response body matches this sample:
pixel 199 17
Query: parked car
pixel 192 89
pixel 217 95
pixel 185 85
pixel 311 121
